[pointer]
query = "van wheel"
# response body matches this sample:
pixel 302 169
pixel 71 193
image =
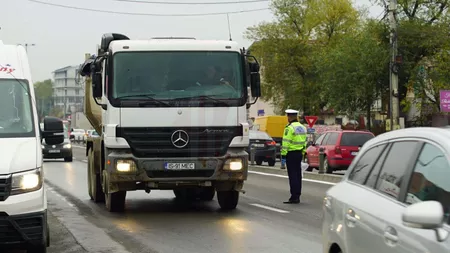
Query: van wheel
pixel 207 193
pixel 94 182
pixel 228 200
pixel 115 202
pixel 37 249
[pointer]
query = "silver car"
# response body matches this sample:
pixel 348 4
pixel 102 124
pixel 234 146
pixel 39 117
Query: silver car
pixel 395 196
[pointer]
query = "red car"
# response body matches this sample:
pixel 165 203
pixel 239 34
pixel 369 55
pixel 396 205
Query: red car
pixel 340 149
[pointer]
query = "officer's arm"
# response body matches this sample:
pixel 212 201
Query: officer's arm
pixel 287 141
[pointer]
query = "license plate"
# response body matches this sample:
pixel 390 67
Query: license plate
pixel 54 151
pixel 179 166
pixel 258 145
pixel 354 153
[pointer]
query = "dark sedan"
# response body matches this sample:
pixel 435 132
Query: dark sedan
pixel 63 150
pixel 264 147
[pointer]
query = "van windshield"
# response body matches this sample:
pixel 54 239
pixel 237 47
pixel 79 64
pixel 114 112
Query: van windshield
pixel 16 114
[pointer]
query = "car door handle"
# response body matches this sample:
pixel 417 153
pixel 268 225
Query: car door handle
pixel 350 218
pixel 390 237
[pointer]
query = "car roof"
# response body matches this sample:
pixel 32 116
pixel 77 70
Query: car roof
pixel 435 134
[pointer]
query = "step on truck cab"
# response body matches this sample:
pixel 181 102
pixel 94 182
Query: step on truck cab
pixel 23 199
pixel 172 115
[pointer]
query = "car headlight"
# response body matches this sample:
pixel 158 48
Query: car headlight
pixel 28 181
pixel 125 166
pixel 67 145
pixel 233 164
pixel 42 146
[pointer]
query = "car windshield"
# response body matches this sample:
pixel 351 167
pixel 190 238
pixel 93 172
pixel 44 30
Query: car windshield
pixel 184 77
pixel 259 135
pixel 355 139
pixel 16 114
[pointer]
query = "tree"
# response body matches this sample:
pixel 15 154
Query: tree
pixel 353 71
pixel 423 35
pixel 287 47
pixel 43 91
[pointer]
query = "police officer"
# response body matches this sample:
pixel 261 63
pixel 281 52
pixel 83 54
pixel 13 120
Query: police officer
pixel 292 149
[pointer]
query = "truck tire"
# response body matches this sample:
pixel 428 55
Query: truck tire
pixel 115 202
pixel 207 193
pixel 228 200
pixel 94 181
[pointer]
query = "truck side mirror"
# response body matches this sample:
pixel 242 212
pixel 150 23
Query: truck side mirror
pixel 53 132
pixel 255 79
pixel 97 91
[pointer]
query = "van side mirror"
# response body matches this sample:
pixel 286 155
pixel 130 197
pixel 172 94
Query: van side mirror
pixel 53 132
pixel 426 215
pixel 255 79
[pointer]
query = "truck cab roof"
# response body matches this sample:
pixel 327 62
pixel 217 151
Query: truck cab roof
pixel 162 44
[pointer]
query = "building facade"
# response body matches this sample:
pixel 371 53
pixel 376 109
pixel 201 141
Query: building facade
pixel 68 93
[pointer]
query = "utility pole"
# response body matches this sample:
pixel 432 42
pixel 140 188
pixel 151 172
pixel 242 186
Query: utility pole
pixel 393 83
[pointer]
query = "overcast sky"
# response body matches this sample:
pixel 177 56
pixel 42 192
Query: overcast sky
pixel 62 35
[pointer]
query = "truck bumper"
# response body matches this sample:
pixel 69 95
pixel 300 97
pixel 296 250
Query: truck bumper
pixel 156 173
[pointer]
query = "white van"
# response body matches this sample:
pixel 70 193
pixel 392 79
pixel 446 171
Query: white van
pixel 23 200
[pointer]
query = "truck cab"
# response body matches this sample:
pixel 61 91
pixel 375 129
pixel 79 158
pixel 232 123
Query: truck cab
pixel 23 199
pixel 172 115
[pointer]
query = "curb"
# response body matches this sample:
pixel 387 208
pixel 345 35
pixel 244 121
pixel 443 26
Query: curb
pixel 307 175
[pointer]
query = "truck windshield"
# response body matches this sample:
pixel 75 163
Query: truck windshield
pixel 215 78
pixel 16 114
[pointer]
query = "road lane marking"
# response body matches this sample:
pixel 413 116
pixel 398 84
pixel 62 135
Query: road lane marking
pixel 270 208
pixel 61 197
pixel 283 176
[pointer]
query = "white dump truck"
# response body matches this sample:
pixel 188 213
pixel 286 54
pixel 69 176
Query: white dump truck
pixel 172 115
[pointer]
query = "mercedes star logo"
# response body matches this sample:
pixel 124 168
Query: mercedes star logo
pixel 180 139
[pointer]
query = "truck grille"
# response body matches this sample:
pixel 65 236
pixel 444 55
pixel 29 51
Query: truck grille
pixel 5 187
pixel 156 141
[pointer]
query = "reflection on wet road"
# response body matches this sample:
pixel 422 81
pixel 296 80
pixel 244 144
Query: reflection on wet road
pixel 155 222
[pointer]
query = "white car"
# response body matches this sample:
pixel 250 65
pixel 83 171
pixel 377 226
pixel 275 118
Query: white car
pixel 395 196
pixel 23 200
pixel 79 135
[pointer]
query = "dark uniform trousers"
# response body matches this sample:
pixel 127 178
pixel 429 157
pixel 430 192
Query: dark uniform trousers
pixel 294 169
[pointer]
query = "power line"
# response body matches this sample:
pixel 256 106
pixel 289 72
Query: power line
pixel 191 3
pixel 147 14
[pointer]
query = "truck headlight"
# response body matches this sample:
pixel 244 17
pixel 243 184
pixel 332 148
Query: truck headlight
pixel 67 145
pixel 26 181
pixel 233 164
pixel 125 166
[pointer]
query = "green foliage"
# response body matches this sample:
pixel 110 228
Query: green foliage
pixel 353 71
pixel 43 92
pixel 288 46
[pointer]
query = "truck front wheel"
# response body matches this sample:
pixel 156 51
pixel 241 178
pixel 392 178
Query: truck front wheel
pixel 228 200
pixel 94 182
pixel 115 202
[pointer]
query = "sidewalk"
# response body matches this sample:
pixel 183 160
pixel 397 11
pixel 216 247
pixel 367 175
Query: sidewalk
pixel 331 178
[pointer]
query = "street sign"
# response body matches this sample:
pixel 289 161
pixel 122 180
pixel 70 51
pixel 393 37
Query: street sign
pixel 311 130
pixel 311 120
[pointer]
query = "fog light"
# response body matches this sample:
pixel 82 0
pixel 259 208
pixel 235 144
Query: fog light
pixel 125 166
pixel 233 164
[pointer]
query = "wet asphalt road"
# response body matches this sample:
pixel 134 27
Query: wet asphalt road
pixel 156 223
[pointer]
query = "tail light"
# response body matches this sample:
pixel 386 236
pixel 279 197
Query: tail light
pixel 337 150
pixel 271 143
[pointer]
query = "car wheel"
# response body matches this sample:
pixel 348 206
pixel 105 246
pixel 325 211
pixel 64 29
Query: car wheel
pixel 68 159
pixel 38 249
pixel 271 162
pixel 259 161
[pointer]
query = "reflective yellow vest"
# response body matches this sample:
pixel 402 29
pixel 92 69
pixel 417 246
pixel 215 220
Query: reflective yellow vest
pixel 294 138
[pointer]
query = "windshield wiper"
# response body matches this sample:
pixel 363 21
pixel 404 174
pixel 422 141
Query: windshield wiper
pixel 205 97
pixel 148 96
